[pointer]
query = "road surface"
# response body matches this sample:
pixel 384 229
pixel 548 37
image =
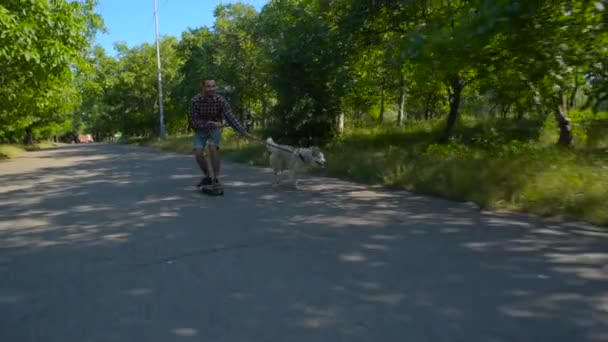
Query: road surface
pixel 111 243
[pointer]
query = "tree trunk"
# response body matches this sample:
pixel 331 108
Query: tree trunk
pixel 341 122
pixel 402 97
pixel 28 139
pixel 264 118
pixel 381 116
pixel 491 112
pixel 427 107
pixel 565 128
pixel 455 91
pixel 505 110
pixel 572 101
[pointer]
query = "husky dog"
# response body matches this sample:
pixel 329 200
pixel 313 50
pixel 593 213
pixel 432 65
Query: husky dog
pixel 292 159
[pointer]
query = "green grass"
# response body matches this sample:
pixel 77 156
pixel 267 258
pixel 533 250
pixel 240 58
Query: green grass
pixel 505 165
pixel 11 151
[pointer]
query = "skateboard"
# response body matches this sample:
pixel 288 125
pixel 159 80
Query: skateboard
pixel 213 190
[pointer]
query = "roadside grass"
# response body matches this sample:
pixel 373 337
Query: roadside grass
pixel 497 164
pixel 8 151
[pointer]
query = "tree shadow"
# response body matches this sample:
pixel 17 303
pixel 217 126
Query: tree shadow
pixel 102 242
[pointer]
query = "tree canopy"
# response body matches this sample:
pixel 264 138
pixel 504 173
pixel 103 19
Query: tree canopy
pixel 302 67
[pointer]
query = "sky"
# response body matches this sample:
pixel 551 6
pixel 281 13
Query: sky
pixel 132 21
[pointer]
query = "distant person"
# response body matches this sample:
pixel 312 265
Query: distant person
pixel 207 113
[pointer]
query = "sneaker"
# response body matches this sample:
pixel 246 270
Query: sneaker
pixel 216 182
pixel 205 181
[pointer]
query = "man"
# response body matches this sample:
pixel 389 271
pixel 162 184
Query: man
pixel 207 113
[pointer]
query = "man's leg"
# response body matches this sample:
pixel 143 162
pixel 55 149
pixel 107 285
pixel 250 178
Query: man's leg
pixel 199 155
pixel 214 152
pixel 200 139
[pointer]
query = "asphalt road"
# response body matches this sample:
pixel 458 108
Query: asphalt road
pixel 112 243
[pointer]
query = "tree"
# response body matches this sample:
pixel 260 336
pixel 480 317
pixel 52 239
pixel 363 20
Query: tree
pixel 42 44
pixel 549 44
pixel 306 63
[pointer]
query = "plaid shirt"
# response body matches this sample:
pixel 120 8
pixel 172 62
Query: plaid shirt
pixel 216 108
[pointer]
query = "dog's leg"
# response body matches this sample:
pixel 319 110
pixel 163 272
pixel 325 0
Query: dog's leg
pixel 293 179
pixel 275 168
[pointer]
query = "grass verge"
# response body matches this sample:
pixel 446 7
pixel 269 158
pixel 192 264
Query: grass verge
pixel 11 151
pixel 511 169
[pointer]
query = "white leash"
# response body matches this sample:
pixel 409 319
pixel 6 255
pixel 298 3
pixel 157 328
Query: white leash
pixel 295 150
pixel 279 147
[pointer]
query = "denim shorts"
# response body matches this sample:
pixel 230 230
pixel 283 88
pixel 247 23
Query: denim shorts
pixel 201 137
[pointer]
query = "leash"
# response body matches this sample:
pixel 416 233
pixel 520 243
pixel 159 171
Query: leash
pixel 264 142
pixel 295 151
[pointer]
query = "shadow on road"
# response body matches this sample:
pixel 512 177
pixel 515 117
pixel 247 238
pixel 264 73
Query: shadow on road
pixel 113 243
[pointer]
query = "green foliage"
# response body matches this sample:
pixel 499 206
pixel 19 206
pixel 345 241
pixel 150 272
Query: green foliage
pixel 590 129
pixel 41 44
pixel 304 70
pixel 298 65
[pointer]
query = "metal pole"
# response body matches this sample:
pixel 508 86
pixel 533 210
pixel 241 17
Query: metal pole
pixel 163 133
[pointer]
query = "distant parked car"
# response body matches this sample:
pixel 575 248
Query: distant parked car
pixel 85 138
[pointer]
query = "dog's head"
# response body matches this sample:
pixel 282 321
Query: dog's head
pixel 317 156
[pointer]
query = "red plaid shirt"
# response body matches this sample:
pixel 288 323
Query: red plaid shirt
pixel 216 108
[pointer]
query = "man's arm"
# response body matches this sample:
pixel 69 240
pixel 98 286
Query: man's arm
pixel 191 114
pixel 232 120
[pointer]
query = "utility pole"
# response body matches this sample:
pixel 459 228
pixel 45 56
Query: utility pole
pixel 163 133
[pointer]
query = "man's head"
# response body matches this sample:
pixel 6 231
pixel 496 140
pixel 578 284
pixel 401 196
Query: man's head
pixel 208 87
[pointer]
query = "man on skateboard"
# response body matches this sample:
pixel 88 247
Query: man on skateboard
pixel 207 113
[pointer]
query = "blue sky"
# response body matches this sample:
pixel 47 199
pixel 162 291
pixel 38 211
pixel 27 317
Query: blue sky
pixel 132 21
